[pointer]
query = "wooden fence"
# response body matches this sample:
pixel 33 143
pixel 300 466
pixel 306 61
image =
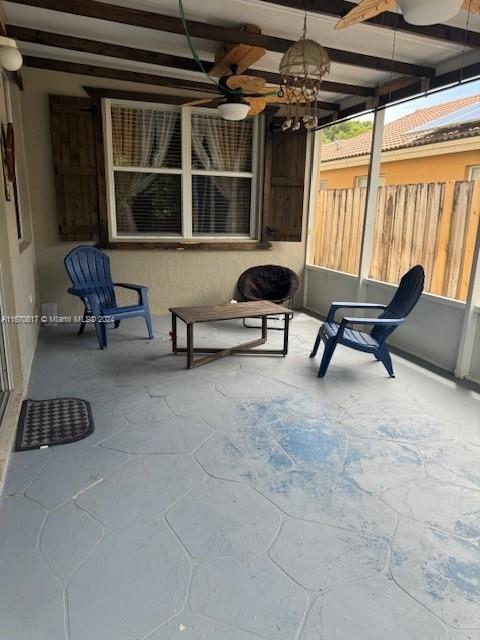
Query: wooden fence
pixel 432 224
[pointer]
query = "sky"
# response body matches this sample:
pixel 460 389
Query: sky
pixel 462 91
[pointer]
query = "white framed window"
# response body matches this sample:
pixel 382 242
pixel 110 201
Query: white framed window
pixel 362 181
pixel 179 173
pixel 474 172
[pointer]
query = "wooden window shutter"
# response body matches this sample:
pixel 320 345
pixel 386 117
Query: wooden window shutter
pixel 285 158
pixel 77 148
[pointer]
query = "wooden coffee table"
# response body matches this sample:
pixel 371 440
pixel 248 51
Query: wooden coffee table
pixel 194 315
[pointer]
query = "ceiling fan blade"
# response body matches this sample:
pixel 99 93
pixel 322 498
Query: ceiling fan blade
pixel 248 84
pixel 257 105
pixel 364 10
pixel 237 56
pixel 194 103
pixel 471 5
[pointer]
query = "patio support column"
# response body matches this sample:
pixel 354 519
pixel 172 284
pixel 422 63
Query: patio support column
pixel 314 149
pixel 467 339
pixel 371 202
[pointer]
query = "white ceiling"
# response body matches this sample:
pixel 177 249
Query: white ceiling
pixel 272 19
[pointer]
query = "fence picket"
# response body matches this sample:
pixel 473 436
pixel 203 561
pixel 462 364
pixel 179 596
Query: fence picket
pixel 433 224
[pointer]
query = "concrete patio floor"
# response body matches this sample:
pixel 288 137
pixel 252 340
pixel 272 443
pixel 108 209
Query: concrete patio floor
pixel 245 499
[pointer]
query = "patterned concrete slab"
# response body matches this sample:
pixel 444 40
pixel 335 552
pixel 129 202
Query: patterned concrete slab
pixel 241 385
pixel 67 538
pixel 243 454
pixel 70 470
pixel 103 393
pixel 135 579
pixel 148 485
pixel 312 443
pixel 188 626
pixel 321 557
pixel 200 401
pixel 454 462
pixel 376 466
pixel 373 610
pixel 450 507
pixel 402 428
pixel 293 406
pixel 223 518
pixel 314 496
pixel 23 469
pixel 108 420
pixel 440 571
pixel 31 600
pixel 150 410
pixel 173 435
pixel 133 583
pixel 228 414
pixel 249 593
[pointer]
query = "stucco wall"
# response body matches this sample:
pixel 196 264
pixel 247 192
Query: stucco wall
pixel 18 290
pixel 174 277
pixel 450 166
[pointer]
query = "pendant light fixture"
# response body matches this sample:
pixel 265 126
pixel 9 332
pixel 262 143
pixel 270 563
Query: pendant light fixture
pixel 426 12
pixel 10 57
pixel 302 68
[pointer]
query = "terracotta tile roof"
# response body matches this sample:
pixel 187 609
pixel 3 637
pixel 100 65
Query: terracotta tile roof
pixel 398 134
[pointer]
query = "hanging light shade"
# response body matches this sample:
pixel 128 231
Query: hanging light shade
pixel 306 58
pixel 234 110
pixel 302 68
pixel 10 57
pixel 425 12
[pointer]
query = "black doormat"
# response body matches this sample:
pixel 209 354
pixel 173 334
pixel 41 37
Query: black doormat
pixel 51 422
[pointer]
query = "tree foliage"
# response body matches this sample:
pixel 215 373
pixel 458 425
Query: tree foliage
pixel 345 130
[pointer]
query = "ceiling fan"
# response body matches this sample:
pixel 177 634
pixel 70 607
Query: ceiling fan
pixel 240 94
pixel 418 12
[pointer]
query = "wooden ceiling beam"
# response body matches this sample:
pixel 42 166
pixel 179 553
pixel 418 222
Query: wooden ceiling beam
pixel 171 24
pixel 84 45
pixel 387 20
pixel 116 74
pixel 134 76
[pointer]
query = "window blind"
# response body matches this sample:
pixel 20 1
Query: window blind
pixel 167 181
pixel 148 203
pixel 221 145
pixel 146 138
pixel 221 205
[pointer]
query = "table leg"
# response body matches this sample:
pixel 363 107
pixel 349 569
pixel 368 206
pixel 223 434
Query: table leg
pixel 264 327
pixel 285 334
pixel 189 345
pixel 174 333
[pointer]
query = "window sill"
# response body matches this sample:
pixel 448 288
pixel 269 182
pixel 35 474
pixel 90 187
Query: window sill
pixel 209 245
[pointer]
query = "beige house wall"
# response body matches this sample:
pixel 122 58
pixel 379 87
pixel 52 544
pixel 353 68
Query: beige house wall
pixel 408 166
pixel 174 277
pixel 18 288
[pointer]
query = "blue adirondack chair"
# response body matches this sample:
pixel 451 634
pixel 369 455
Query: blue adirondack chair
pixel 89 271
pixel 394 314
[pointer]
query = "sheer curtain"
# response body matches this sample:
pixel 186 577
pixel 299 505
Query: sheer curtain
pixel 141 138
pixel 223 146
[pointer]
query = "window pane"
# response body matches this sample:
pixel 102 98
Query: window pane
pixel 340 204
pixel 148 203
pixel 475 173
pixel 146 138
pixel 221 205
pixel 221 145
